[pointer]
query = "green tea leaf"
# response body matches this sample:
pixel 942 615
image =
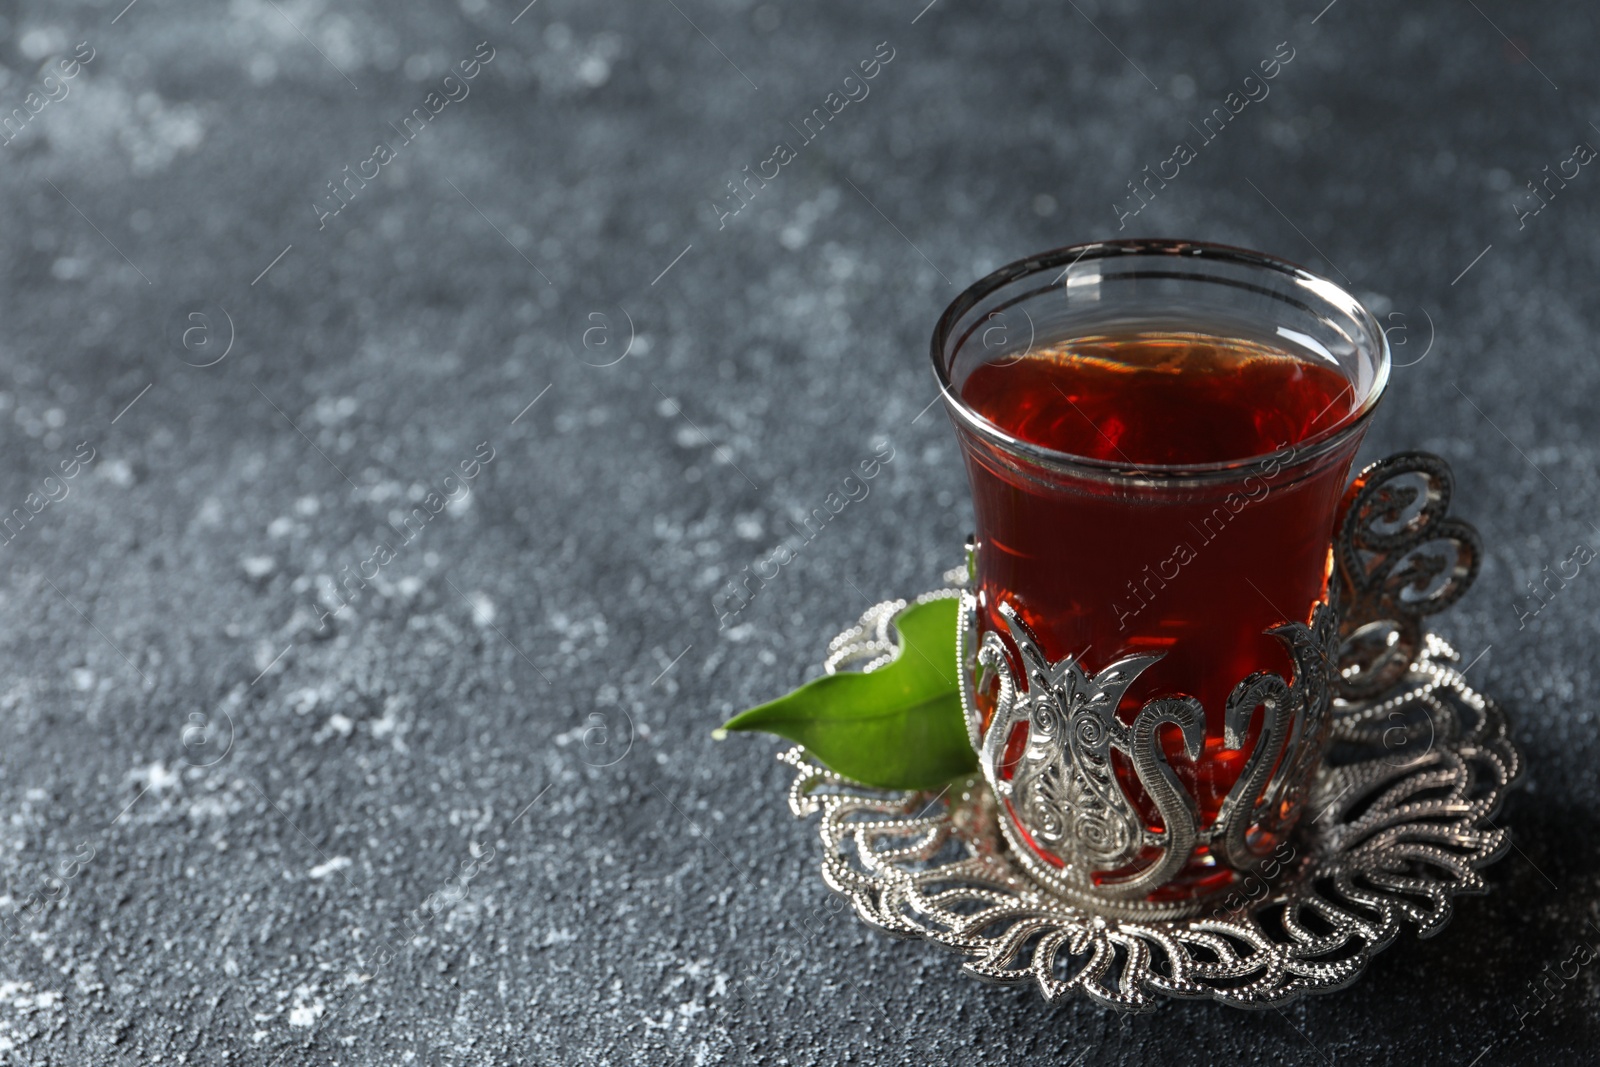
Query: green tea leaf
pixel 898 727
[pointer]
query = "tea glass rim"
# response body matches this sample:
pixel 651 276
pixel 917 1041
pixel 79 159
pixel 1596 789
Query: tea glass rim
pixel 1157 474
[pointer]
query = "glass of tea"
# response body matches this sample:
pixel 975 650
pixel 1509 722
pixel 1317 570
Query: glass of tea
pixel 1158 436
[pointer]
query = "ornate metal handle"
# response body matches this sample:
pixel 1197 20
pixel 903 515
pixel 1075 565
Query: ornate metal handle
pixel 1400 558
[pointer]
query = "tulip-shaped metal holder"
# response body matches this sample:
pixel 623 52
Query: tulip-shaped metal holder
pixel 1070 819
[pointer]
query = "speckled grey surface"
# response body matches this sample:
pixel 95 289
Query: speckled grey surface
pixel 476 816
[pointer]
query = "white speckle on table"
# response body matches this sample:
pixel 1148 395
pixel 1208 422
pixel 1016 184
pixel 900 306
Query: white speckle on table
pixel 322 870
pixel 86 979
pixel 258 566
pixel 389 489
pixel 17 999
pixel 41 41
pixel 330 411
pixel 269 657
pixel 390 727
pixel 306 1009
pixel 593 71
pixel 155 777
pixel 149 131
pixel 385 726
pixel 118 472
pixel 482 609
pixel 70 268
pixel 558 937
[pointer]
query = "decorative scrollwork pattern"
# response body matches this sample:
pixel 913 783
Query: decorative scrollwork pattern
pixel 1067 817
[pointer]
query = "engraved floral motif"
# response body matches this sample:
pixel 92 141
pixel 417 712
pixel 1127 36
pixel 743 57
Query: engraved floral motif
pixel 1072 825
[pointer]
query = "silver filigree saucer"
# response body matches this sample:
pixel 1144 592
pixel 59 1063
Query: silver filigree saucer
pixel 1398 824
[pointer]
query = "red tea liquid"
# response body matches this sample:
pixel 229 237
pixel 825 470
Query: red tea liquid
pixel 1103 570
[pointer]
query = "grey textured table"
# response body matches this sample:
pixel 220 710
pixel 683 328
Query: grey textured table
pixel 465 807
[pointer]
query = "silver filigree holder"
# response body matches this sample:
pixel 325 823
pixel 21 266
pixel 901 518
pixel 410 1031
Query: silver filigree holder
pixel 1397 820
